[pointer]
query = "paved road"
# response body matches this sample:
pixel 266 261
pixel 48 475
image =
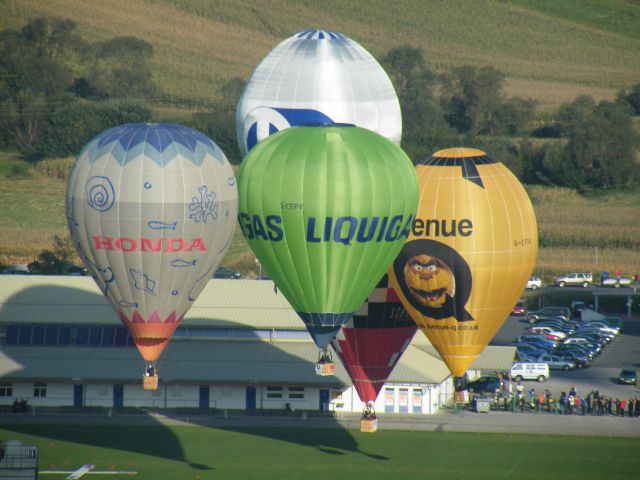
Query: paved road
pixel 444 421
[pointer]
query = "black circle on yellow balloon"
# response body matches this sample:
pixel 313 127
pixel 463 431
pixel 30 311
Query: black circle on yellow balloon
pixel 435 279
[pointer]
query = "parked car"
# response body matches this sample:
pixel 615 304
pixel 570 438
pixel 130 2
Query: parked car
pixel 547 331
pixel 557 325
pixel 576 308
pixel 76 271
pixel 575 279
pixel 538 341
pixel 486 384
pixel 589 315
pixel 224 272
pixel 575 349
pixel 534 283
pixel 539 346
pixel 549 312
pixel 530 371
pixel 16 270
pixel 602 326
pixel 556 362
pixel 616 282
pixel 581 360
pixel 519 308
pixel 530 351
pixel 585 342
pixel 628 377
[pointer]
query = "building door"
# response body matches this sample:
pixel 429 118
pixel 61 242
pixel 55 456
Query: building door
pixel 251 397
pixel 204 396
pixel 324 400
pixel 118 396
pixel 78 400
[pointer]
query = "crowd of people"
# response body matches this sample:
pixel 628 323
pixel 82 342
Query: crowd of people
pixel 567 403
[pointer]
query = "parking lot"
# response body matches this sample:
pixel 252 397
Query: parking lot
pixel 622 352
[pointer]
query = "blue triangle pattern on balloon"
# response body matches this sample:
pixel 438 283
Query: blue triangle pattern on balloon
pixel 324 326
pixel 160 142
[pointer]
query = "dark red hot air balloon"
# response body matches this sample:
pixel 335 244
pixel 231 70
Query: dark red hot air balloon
pixel 372 342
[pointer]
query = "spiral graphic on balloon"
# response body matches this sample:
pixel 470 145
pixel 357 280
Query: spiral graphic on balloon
pixel 100 193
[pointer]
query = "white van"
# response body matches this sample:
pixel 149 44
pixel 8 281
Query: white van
pixel 530 371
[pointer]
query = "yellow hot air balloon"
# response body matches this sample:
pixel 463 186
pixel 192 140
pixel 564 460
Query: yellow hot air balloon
pixel 472 249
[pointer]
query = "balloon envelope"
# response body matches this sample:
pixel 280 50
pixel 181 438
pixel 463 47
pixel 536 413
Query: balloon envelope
pixel 472 249
pixel 317 76
pixel 151 209
pixel 326 210
pixel 371 343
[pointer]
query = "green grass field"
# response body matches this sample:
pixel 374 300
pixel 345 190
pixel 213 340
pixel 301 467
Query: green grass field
pixel 576 232
pixel 550 51
pixel 200 453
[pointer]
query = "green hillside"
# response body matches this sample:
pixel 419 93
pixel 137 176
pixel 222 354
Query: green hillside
pixel 550 51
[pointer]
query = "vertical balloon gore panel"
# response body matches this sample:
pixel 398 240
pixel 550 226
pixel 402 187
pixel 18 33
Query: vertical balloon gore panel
pixel 471 250
pixel 326 210
pixel 317 77
pixel 151 209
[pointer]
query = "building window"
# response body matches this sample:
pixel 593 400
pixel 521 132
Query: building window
pixel 24 338
pixel 95 336
pixel 274 392
pixel 417 400
pixel 12 335
pixel 296 393
pixel 108 334
pixel 65 335
pixel 38 335
pixel 121 336
pixel 389 400
pixel 40 390
pixel 51 337
pixel 403 400
pixel 82 335
pixel 6 390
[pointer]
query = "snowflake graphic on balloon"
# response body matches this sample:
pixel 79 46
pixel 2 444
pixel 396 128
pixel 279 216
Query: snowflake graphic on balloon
pixel 203 207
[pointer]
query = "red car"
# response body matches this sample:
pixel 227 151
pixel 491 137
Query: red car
pixel 519 309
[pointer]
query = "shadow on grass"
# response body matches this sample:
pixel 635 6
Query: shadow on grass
pixel 152 440
pixel 334 440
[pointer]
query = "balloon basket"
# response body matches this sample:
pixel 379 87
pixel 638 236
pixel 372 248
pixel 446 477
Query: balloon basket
pixel 150 382
pixel 325 369
pixel 369 425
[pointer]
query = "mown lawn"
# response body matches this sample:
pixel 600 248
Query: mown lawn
pixel 199 453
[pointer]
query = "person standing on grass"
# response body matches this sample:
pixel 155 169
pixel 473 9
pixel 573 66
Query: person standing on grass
pixel 623 407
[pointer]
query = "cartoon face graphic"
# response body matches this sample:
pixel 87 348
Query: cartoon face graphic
pixel 435 279
pixel 429 279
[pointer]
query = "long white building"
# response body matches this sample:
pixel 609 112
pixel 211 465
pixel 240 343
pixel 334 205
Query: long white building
pixel 240 347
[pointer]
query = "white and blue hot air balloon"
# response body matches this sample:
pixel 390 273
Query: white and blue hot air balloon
pixel 151 209
pixel 315 77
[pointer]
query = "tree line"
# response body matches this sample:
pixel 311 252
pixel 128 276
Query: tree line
pixel 58 90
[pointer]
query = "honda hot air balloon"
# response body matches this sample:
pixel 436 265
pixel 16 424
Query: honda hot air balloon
pixel 151 209
pixel 317 76
pixel 326 209
pixel 371 343
pixel 472 249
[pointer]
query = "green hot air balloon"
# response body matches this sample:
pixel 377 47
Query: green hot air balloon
pixel 326 209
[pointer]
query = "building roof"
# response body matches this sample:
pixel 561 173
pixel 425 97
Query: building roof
pixel 208 361
pixel 495 358
pixel 224 304
pixel 77 300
